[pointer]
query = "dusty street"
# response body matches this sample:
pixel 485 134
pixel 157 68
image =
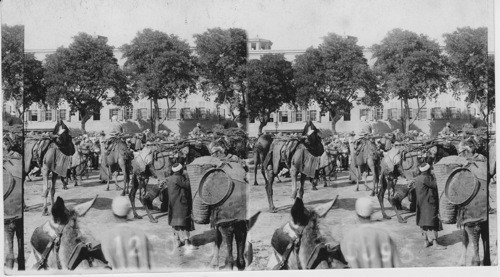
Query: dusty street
pixel 339 220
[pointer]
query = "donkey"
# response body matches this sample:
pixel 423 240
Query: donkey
pixel 56 242
pixel 300 244
pixel 13 215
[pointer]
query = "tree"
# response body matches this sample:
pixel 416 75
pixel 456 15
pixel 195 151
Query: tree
pixel 160 66
pixel 334 75
pixel 470 66
pixel 269 86
pixel 410 66
pixel 12 65
pixel 221 56
pixel 85 74
pixel 34 83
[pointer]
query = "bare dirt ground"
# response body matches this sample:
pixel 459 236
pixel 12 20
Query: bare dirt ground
pixel 167 257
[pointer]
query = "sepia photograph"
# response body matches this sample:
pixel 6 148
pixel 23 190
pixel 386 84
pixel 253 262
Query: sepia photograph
pixel 209 136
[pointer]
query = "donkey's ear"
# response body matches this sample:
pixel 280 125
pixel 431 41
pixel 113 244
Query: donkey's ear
pixel 59 211
pixel 323 209
pixel 252 220
pixel 83 208
pixel 300 214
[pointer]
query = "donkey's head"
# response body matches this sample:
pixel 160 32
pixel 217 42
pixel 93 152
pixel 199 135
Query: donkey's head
pixel 64 226
pixel 311 247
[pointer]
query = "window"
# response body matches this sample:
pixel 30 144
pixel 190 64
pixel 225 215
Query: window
pixel 454 112
pixel 422 114
pixel 298 116
pixel 363 112
pixel 62 114
pixel 143 113
pixel 436 113
pixel 271 118
pixel 129 111
pixel 253 46
pixel 113 112
pixel 48 115
pixel 203 113
pixel 284 116
pixel 172 114
pixel 313 116
pixel 97 115
pixel 186 113
pixel 347 115
pixel 33 115
pixel 379 113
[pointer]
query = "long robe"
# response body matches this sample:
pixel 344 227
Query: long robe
pixel 180 203
pixel 427 201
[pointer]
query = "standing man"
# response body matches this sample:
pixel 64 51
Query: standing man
pixel 180 205
pixel 428 206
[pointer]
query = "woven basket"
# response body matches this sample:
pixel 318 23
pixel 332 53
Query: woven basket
pixel 201 211
pixel 195 173
pixel 442 171
pixel 461 186
pixel 215 186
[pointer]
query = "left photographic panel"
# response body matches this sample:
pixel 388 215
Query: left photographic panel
pixel 13 75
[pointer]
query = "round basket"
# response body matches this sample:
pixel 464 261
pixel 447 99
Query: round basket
pixel 461 186
pixel 215 186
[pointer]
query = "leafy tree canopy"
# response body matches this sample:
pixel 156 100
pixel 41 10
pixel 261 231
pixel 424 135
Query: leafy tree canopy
pixel 34 84
pixel 84 75
pixel 409 66
pixel 221 54
pixel 160 66
pixel 333 75
pixel 12 64
pixel 269 86
pixel 469 64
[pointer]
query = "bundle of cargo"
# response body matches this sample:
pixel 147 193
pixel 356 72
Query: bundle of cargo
pixel 442 170
pixel 219 190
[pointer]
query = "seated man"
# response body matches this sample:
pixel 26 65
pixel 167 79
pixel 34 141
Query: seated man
pixel 196 132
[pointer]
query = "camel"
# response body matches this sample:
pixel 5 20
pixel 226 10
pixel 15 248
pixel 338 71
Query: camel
pixel 365 159
pixel 302 156
pixel 59 164
pixel 260 150
pixel 118 158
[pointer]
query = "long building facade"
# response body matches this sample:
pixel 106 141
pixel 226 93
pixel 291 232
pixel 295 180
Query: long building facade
pixel 428 118
pixel 186 113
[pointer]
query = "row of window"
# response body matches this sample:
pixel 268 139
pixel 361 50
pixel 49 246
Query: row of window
pixel 376 114
pixel 128 113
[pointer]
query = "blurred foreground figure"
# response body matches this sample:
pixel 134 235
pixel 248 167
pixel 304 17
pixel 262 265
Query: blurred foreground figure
pixel 127 248
pixel 370 247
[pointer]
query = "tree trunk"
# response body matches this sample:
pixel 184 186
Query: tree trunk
pixel 262 124
pixel 154 116
pixel 335 118
pixel 85 116
pixel 406 116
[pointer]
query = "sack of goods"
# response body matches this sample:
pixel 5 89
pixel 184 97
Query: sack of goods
pixel 219 188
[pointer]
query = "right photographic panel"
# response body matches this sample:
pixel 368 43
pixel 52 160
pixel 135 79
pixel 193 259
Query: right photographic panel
pixel 375 127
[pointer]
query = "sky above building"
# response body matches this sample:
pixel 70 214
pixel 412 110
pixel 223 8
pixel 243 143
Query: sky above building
pixel 290 24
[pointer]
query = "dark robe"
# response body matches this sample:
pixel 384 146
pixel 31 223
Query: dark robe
pixel 180 202
pixel 427 201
